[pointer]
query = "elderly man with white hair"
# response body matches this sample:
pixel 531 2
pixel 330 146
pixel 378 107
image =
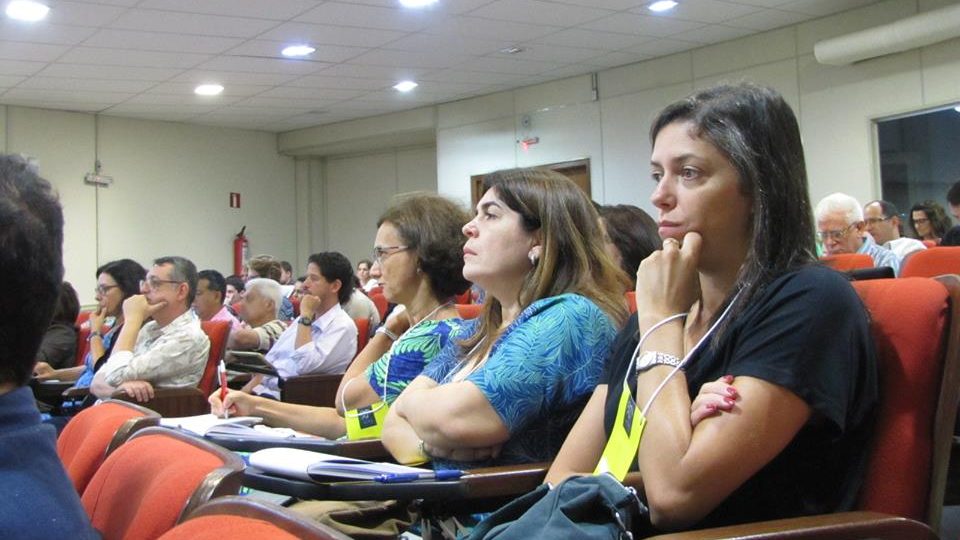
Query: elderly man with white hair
pixel 259 309
pixel 840 226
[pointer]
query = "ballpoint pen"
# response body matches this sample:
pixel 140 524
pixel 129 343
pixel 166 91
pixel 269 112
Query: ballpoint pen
pixel 222 371
pixel 396 478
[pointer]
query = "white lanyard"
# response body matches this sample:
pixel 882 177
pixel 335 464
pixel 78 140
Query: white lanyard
pixel 386 371
pixel 686 358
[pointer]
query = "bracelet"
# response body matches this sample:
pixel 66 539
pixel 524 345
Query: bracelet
pixel 393 337
pixel 93 334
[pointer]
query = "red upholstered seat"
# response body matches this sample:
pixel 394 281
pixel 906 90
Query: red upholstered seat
pixel 363 333
pixel 242 517
pixel 295 302
pixel 909 322
pixel 631 301
pixel 219 333
pixel 154 479
pixel 845 262
pixel 380 301
pixel 932 262
pixel 92 434
pixel 469 311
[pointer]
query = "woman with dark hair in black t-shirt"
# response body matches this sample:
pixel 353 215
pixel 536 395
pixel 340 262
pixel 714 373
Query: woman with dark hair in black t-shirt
pixel 735 291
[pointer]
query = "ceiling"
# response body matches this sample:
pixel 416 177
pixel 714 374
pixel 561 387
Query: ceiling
pixel 143 58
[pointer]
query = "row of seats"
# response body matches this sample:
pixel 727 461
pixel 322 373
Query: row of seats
pixel 919 370
pixel 930 262
pixel 137 480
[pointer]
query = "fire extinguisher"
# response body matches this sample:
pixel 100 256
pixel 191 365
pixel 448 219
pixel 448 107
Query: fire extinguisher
pixel 241 251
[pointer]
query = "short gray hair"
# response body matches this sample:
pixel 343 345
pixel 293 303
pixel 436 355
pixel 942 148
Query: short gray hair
pixel 270 289
pixel 839 203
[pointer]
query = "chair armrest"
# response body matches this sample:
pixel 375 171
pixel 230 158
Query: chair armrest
pixel 76 392
pixel 840 526
pixel 49 391
pixel 319 390
pixel 505 480
pixel 172 401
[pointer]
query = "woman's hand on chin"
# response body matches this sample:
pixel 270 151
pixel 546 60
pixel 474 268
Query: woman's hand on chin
pixel 667 280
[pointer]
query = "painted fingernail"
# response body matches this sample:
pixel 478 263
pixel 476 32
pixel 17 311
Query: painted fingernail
pixel 732 391
pixel 728 378
pixel 728 401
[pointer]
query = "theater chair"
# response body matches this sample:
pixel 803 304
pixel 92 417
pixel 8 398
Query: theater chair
pixel 631 301
pixel 844 262
pixel 242 517
pixel 932 262
pixel 219 333
pixel 919 368
pixel 320 389
pixel 90 436
pixel 380 301
pixel 469 311
pixel 154 480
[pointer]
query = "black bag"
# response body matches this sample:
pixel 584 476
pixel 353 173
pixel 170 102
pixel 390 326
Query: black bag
pixel 589 507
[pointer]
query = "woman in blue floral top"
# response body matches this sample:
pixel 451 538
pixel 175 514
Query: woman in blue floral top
pixel 510 386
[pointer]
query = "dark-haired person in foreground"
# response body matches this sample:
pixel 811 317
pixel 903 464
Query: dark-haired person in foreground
pixel 737 265
pixel 38 499
pixel 169 350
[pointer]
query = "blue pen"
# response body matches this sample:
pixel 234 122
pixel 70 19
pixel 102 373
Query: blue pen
pixel 397 478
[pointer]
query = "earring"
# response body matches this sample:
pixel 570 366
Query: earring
pixel 534 257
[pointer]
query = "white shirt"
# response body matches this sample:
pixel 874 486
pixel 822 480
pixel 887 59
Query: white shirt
pixel 174 355
pixel 332 346
pixel 904 246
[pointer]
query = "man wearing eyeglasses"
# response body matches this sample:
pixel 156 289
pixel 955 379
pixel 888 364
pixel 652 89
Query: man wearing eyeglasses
pixel 169 350
pixel 883 223
pixel 840 226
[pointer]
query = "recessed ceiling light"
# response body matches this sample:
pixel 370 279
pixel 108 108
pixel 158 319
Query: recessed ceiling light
pixel 26 10
pixel 662 5
pixel 208 89
pixel 417 3
pixel 957 108
pixel 405 86
pixel 298 50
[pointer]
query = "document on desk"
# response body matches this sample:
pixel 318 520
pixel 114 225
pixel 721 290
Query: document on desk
pixel 203 423
pixel 259 432
pixel 307 465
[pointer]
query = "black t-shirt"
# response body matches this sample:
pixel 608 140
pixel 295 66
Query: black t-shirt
pixel 809 333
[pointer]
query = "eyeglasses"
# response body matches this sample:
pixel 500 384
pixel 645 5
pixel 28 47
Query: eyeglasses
pixel 381 253
pixel 921 221
pixel 836 236
pixel 104 289
pixel 154 283
pixel 874 220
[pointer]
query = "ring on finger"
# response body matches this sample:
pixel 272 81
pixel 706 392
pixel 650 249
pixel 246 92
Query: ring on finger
pixel 671 241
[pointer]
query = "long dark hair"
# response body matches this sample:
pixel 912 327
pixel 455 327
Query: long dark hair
pixel 757 131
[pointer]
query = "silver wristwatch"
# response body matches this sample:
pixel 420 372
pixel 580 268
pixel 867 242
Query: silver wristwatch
pixel 650 359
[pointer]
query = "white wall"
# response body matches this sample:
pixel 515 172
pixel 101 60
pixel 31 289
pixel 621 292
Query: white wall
pixel 171 189
pixel 836 107
pixel 357 189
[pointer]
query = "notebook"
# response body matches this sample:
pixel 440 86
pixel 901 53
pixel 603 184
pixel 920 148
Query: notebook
pixel 203 423
pixel 307 465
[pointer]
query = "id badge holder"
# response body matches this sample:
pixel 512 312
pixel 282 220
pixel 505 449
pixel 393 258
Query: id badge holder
pixel 366 422
pixel 624 442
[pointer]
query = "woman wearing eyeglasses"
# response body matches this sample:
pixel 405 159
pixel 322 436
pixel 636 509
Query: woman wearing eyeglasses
pixel 929 221
pixel 734 296
pixel 509 388
pixel 420 250
pixel 116 281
